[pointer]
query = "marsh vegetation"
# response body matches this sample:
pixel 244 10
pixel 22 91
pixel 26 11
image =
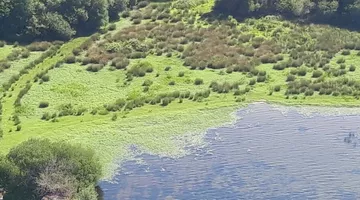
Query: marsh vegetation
pixel 163 59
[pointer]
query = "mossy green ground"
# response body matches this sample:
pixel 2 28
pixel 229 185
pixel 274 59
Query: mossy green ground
pixel 152 128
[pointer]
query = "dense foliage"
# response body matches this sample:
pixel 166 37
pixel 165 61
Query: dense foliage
pixel 59 19
pixel 344 12
pixel 37 168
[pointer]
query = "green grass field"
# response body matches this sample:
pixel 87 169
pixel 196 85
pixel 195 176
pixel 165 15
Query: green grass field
pixel 157 129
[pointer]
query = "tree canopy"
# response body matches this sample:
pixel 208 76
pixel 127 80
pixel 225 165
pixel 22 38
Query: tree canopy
pixel 37 168
pixel 330 11
pixel 55 19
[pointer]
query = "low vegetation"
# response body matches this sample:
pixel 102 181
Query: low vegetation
pixel 162 70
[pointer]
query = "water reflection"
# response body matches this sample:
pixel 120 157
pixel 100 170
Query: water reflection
pixel 265 155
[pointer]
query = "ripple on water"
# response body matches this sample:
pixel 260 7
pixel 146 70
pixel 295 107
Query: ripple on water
pixel 264 155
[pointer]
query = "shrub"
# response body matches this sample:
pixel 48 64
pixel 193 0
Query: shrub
pixel 2 44
pixel 39 46
pixel 125 14
pixel 279 66
pixel 140 69
pixel 317 74
pixel 112 27
pixel 340 60
pixel 25 54
pixel 262 73
pixel 277 88
pixel 293 71
pixel 336 93
pixel 350 45
pixel 45 78
pixel 165 101
pixel 94 67
pixel 172 83
pixel 309 92
pixel 252 82
pixel 345 52
pixel 120 63
pixel 136 21
pixel 76 51
pixel 181 74
pixel 137 55
pixel 352 68
pixel 342 66
pixel 70 59
pixel 198 81
pixel 86 61
pixel 147 83
pixel 167 68
pixel 268 59
pixel 114 117
pixel 143 4
pixel 261 79
pixel 302 71
pixel 18 127
pixel 290 78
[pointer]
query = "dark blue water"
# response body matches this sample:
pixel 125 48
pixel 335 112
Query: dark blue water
pixel 264 155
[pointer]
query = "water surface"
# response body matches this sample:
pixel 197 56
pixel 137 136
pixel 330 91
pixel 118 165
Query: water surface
pixel 264 155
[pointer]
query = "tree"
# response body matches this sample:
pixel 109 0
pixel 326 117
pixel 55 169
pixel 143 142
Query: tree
pixel 341 12
pixel 60 19
pixel 39 167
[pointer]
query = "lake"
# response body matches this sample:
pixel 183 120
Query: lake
pixel 268 153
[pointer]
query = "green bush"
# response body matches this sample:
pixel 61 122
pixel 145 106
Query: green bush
pixel 143 4
pixel 279 66
pixel 136 21
pixel 140 69
pixel 181 74
pixel 94 67
pixel 302 71
pixel 345 52
pixel 44 104
pixel 114 117
pixel 317 74
pixel 125 14
pixel 112 27
pixel 340 60
pixel 290 78
pixel 70 59
pixel 147 83
pixel 25 54
pixel 165 101
pixel 309 92
pixel 39 46
pixel 252 82
pixel 45 78
pixel 277 88
pixel 167 68
pixel 172 83
pixel 261 79
pixel 2 44
pixel 198 81
pixel 18 128
pixel 352 68
pixel 262 73
pixel 120 63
